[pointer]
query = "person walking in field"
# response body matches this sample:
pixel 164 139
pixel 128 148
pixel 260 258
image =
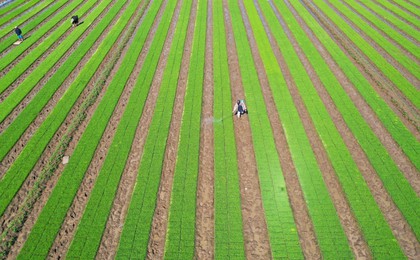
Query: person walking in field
pixel 240 108
pixel 74 20
pixel 18 32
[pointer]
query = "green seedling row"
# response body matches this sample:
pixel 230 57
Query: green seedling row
pixel 229 240
pixel 391 32
pixel 408 6
pixel 391 18
pixel 46 228
pixel 16 175
pixel 381 241
pixel 89 232
pixel 331 237
pixel 13 6
pixel 135 235
pixel 181 221
pixel 282 228
pixel 21 10
pixel 398 12
pixel 14 131
pixel 388 70
pixel 30 82
pixel 394 181
pixel 39 34
pixel 391 49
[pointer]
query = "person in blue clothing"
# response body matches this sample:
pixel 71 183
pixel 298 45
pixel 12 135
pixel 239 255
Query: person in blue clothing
pixel 240 108
pixel 18 32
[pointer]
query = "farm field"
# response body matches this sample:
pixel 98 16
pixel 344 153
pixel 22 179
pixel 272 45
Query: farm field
pixel 118 141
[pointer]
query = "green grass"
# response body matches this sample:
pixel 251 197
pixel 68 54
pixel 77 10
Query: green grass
pixel 229 240
pixel 181 221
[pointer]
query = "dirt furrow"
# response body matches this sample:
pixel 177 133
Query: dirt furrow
pixel 390 24
pixel 156 247
pixel 257 244
pixel 112 233
pixel 31 129
pixel 391 60
pixel 68 131
pixel 30 32
pixel 21 78
pixel 398 224
pixel 75 213
pixel 398 16
pixel 383 33
pixel 204 238
pixel 406 110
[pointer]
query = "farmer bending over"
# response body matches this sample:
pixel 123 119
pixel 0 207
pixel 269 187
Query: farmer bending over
pixel 240 108
pixel 74 20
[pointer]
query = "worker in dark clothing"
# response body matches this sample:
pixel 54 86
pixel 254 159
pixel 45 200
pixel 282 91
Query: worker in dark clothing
pixel 18 32
pixel 74 20
pixel 240 108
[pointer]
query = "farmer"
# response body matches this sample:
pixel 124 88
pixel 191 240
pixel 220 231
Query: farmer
pixel 240 108
pixel 18 32
pixel 74 20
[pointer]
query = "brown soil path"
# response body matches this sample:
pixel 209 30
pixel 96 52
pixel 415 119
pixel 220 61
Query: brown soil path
pixel 204 238
pixel 401 69
pixel 348 221
pixel 399 226
pixel 112 233
pixel 75 213
pixel 402 161
pixel 20 144
pixel 257 244
pixel 393 96
pixel 156 247
pixel 98 80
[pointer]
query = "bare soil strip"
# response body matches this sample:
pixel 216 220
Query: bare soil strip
pixel 75 213
pixel 412 78
pixel 257 244
pixel 156 247
pixel 347 219
pixel 20 144
pixel 398 224
pixel 409 37
pixel 393 96
pixel 383 33
pixel 97 80
pixel 204 241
